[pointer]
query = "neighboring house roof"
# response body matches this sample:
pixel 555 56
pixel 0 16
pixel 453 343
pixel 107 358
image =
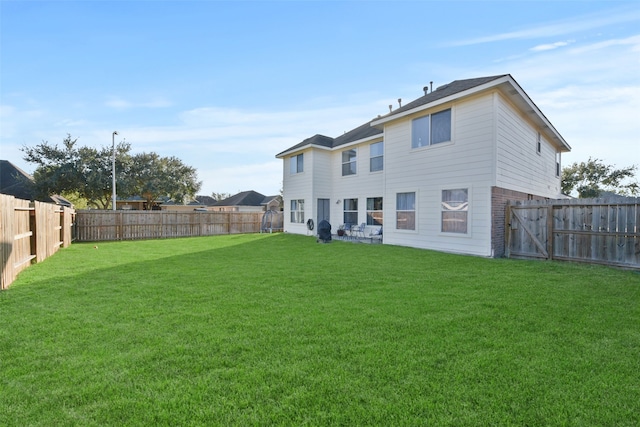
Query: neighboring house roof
pixel 245 198
pixel 206 200
pixel 445 93
pixel 17 183
pixel 269 199
pixel 136 198
pixel 173 203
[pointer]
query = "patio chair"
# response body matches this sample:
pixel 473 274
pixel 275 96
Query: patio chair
pixel 358 230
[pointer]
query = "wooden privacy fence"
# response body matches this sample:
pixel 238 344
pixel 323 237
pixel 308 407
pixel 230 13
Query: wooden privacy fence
pixel 30 232
pixel 98 225
pixel 586 230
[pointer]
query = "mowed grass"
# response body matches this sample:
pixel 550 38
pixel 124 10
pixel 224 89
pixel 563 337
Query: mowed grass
pixel 279 330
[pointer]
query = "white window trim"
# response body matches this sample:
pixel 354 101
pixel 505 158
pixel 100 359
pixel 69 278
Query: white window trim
pixel 366 211
pixel 454 186
pixel 291 211
pixel 291 159
pixel 342 175
pixel 375 157
pixel 357 211
pixel 395 211
pixel 439 144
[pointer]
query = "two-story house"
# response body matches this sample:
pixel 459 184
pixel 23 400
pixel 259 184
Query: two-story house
pixel 435 173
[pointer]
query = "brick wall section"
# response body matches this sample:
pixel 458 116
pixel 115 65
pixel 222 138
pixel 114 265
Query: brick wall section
pixel 499 198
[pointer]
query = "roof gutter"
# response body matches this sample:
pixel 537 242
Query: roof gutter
pixel 298 149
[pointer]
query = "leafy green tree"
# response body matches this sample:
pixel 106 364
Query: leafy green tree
pixel 152 177
pixel 83 171
pixel 86 173
pixel 220 196
pixel 591 178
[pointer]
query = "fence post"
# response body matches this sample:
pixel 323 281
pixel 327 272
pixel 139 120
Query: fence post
pixel 507 231
pixel 550 231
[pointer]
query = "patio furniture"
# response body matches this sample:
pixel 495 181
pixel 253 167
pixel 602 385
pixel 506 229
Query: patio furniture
pixel 376 235
pixel 358 230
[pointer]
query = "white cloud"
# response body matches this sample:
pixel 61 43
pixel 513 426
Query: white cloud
pixel 120 103
pixel 265 178
pixel 550 46
pixel 558 28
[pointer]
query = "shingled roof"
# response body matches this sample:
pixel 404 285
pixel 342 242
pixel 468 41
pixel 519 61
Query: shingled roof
pixel 245 198
pixel 366 130
pixel 443 91
pixel 17 183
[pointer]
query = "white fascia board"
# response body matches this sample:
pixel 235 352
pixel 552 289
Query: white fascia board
pixel 533 109
pixel 299 149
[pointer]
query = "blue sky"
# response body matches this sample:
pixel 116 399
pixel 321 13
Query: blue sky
pixel 225 86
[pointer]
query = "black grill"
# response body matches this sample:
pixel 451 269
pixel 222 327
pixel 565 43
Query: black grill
pixel 324 231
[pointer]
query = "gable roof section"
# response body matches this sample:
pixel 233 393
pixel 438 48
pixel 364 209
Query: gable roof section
pixel 245 198
pixel 269 199
pixel 316 140
pixel 206 200
pixel 457 89
pixel 361 132
pixel 15 182
pixel 445 93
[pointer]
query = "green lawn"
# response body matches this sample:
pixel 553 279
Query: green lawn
pixel 279 330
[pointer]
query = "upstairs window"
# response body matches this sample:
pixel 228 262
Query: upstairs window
pixel 558 163
pixel 376 156
pixel 296 164
pixel 432 129
pixel 539 144
pixel 349 162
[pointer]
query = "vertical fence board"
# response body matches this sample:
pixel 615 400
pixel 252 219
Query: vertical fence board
pixel 30 232
pixel 587 230
pixel 98 225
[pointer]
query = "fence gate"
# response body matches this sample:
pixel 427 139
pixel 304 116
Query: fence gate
pixel 586 230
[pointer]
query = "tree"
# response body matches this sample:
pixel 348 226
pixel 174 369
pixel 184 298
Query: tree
pixel 220 196
pixel 590 179
pixel 83 171
pixel 152 176
pixel 87 173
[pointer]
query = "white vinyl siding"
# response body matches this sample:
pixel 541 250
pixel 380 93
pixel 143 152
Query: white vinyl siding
pixel 518 167
pixel 465 162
